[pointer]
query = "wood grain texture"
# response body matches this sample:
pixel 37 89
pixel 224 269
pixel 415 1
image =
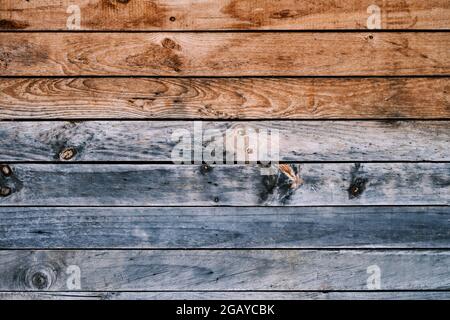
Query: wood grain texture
pixel 138 270
pixel 225 54
pixel 237 185
pixel 223 14
pixel 178 227
pixel 102 197
pixel 224 98
pixel 227 295
pixel 155 141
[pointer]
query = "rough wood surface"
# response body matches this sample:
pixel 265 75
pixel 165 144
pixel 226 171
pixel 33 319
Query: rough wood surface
pixel 237 185
pixel 370 188
pixel 155 141
pixel 227 295
pixel 178 227
pixel 225 54
pixel 223 14
pixel 225 98
pixel 138 270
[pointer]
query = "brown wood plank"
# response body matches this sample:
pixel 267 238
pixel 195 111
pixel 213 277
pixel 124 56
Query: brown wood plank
pixel 225 54
pixel 271 270
pixel 224 98
pixel 223 14
pixel 308 184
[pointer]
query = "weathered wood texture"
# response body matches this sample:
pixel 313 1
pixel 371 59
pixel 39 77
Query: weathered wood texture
pixel 225 98
pixel 237 185
pixel 223 14
pixel 139 270
pixel 225 54
pixel 227 295
pixel 310 230
pixel 155 141
pixel 178 227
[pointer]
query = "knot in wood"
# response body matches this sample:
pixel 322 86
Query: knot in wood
pixel 67 153
pixel 5 191
pixel 357 187
pixel 6 170
pixel 205 168
pixel 39 280
pixel 40 277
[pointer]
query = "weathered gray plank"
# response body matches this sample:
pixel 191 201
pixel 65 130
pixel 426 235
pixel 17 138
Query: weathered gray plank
pixel 177 227
pixel 138 270
pixel 240 185
pixel 224 98
pixel 227 295
pixel 155 140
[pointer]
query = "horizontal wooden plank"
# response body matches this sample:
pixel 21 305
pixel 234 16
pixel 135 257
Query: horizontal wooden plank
pixel 227 295
pixel 138 270
pixel 224 98
pixel 237 185
pixel 156 140
pixel 178 227
pixel 225 54
pixel 223 14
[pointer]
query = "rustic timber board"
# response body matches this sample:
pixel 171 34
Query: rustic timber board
pixel 304 184
pixel 141 270
pixel 90 114
pixel 225 98
pixel 229 295
pixel 223 14
pixel 225 54
pixel 225 227
pixel 156 140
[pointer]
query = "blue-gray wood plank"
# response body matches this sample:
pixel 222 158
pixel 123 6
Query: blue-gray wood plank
pixel 225 227
pixel 303 184
pixel 159 270
pixel 229 295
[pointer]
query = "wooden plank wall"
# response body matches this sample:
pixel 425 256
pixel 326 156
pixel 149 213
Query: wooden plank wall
pixel 92 205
